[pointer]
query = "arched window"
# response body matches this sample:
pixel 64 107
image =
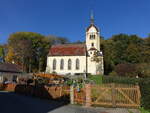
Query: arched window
pixel 62 64
pixel 92 36
pixel 54 64
pixel 77 64
pixel 69 64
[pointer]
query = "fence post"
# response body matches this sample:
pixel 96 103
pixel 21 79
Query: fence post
pixel 60 90
pixel 138 95
pixel 71 94
pixel 88 95
pixel 113 95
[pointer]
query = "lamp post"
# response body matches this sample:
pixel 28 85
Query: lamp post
pixel 85 75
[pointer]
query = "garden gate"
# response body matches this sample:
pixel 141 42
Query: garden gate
pixel 114 95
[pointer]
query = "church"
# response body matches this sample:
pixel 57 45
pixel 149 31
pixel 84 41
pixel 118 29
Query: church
pixel 75 59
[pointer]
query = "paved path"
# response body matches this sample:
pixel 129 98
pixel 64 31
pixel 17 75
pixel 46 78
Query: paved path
pixel 14 103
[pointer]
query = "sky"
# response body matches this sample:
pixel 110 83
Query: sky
pixel 70 18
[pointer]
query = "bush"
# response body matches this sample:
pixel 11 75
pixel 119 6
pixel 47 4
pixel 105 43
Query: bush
pixel 113 73
pixel 121 80
pixel 143 69
pixel 144 111
pixel 145 92
pixel 126 70
pixel 97 79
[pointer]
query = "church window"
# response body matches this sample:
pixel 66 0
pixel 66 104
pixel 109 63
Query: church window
pixel 62 64
pixel 54 64
pixel 77 64
pixel 69 64
pixel 92 36
pixel 92 44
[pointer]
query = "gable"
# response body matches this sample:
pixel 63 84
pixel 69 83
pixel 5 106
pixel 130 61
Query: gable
pixel 92 28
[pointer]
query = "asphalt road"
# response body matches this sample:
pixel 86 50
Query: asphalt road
pixel 14 103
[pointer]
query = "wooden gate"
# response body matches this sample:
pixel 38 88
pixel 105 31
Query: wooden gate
pixel 115 95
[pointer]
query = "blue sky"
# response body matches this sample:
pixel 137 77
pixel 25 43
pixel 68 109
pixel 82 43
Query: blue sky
pixel 69 18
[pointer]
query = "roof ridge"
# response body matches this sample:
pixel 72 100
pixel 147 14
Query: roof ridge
pixel 70 44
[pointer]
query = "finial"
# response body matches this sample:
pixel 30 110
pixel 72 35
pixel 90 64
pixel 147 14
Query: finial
pixel 92 17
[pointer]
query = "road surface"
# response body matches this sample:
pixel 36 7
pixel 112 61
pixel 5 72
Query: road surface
pixel 14 103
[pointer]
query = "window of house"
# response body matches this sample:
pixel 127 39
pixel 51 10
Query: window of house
pixel 77 64
pixel 92 36
pixel 54 64
pixel 69 64
pixel 62 64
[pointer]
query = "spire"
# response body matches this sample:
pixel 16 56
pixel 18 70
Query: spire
pixel 92 18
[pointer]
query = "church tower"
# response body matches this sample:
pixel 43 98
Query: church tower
pixel 94 55
pixel 92 36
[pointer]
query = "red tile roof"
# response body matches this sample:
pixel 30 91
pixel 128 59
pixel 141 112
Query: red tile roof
pixel 68 50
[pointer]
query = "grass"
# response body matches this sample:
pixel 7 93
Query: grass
pixel 130 111
pixel 144 110
pixel 96 78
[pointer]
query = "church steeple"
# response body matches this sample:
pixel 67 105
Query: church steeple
pixel 92 35
pixel 92 18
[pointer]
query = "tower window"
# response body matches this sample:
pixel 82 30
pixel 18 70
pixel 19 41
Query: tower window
pixel 92 36
pixel 92 44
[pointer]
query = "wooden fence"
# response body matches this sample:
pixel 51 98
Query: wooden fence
pixel 7 87
pixel 114 95
pixel 49 92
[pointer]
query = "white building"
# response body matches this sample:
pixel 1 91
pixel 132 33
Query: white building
pixel 77 58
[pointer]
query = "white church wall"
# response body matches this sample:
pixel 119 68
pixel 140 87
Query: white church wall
pixel 82 64
pixel 91 66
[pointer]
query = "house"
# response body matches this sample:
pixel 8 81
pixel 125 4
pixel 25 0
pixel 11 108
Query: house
pixel 76 59
pixel 9 72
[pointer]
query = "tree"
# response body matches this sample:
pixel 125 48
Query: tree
pixel 1 54
pixel 31 49
pixel 26 49
pixel 133 54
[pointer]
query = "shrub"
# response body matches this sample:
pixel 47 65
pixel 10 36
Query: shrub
pixel 145 92
pixel 121 80
pixel 143 110
pixel 97 79
pixel 143 69
pixel 113 73
pixel 126 70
